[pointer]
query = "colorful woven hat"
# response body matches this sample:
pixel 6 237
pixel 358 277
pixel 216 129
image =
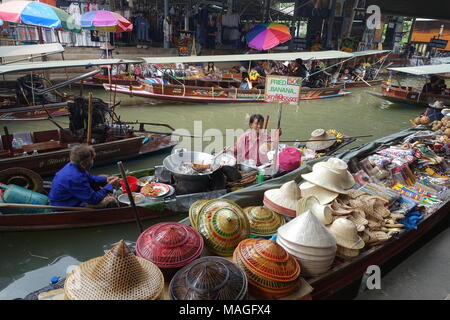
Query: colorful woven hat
pixel 346 234
pixel 271 271
pixel 323 213
pixel 117 275
pixel 283 200
pixel 325 196
pixel 316 140
pixel 194 210
pixel 169 245
pixel 223 224
pixel 209 278
pixel 263 222
pixel 331 175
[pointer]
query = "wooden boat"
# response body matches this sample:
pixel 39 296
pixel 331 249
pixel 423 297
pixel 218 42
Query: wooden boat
pixel 193 94
pixel 410 96
pixel 356 84
pixel 12 109
pixel 53 148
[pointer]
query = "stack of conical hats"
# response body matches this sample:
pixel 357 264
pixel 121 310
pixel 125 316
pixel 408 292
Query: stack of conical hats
pixel 264 223
pixel 272 272
pixel 223 224
pixel 117 275
pixel 209 278
pixel 169 245
pixel 347 239
pixel 307 239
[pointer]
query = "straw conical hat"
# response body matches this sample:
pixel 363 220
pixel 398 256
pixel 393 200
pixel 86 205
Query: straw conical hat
pixel 223 224
pixel 320 134
pixel 307 230
pixel 263 222
pixel 325 196
pixel 306 252
pixel 194 210
pixel 283 200
pixel 346 234
pixel 331 175
pixel 118 275
pixel 323 213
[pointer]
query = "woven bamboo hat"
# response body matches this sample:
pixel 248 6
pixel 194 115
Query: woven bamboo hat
pixel 283 200
pixel 331 175
pixel 263 222
pixel 346 253
pixel 314 142
pixel 117 275
pixel 223 224
pixel 209 278
pixel 323 213
pixel 194 210
pixel 271 271
pixel 306 230
pixel 323 195
pixel 346 234
pixel 169 244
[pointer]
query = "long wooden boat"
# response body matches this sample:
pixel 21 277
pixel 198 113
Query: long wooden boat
pixel 357 84
pixel 99 79
pixel 53 148
pixel 193 94
pixel 408 96
pixel 34 112
pixel 76 219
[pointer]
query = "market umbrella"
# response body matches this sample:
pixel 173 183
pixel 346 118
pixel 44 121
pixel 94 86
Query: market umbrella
pixel 268 35
pixel 104 20
pixel 38 14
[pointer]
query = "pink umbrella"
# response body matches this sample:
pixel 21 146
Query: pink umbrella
pixel 104 20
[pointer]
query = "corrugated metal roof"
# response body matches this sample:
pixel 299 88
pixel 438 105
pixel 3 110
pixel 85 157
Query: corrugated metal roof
pixel 27 50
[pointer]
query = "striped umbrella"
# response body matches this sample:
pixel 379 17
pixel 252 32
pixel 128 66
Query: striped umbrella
pixel 38 14
pixel 104 20
pixel 268 35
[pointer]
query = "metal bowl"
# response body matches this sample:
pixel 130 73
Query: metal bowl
pixel 179 163
pixel 139 198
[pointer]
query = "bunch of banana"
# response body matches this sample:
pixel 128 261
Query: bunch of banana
pixel 339 136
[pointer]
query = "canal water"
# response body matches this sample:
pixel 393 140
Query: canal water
pixel 30 259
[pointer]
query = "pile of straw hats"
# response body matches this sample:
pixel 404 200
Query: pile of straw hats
pixel 118 275
pixel 209 278
pixel 347 239
pixel 308 240
pixel 223 224
pixel 324 196
pixel 323 213
pixel 170 246
pixel 263 222
pixel 272 272
pixel 283 200
pixel 320 140
pixel 332 175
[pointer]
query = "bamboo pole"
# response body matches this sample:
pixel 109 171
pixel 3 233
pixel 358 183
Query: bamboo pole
pixel 89 128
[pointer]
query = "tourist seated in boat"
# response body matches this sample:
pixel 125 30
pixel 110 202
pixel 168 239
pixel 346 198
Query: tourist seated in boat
pixel 211 69
pixel 246 83
pixel 346 75
pixel 249 147
pixel 74 186
pixel 298 69
pixel 359 72
pixel 432 87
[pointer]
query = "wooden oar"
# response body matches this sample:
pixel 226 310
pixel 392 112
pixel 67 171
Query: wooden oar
pixel 42 206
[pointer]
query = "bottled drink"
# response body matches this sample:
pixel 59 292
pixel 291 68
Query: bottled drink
pixel 15 144
pixel 35 152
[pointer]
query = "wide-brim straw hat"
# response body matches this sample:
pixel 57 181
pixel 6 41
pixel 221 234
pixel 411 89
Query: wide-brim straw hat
pixel 263 222
pixel 117 275
pixel 346 234
pixel 331 175
pixel 323 195
pixel 306 230
pixel 323 213
pixel 314 142
pixel 283 200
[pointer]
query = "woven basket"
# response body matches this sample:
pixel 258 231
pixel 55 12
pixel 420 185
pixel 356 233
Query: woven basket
pixel 209 278
pixel 118 275
pixel 223 224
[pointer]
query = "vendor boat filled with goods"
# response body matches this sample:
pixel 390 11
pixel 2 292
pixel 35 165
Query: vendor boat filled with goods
pixel 353 222
pixel 411 96
pixel 35 97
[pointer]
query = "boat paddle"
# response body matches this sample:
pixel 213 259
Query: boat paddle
pixel 130 196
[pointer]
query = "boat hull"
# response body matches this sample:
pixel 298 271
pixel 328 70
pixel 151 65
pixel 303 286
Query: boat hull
pixel 34 112
pixel 178 93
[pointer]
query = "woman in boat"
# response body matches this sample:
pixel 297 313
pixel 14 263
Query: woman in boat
pixel 251 147
pixel 346 76
pixel 432 87
pixel 211 69
pixel 246 83
pixel 74 186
